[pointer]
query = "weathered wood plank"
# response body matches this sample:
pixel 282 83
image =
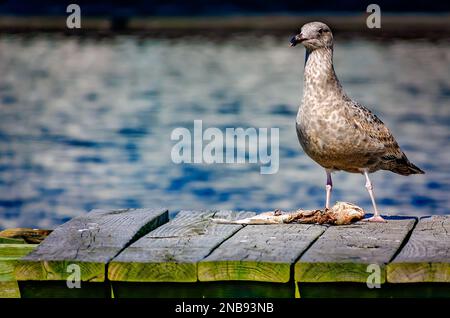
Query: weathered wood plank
pixel 9 289
pixel 343 253
pixel 89 241
pixel 171 252
pixel 15 251
pixel 426 256
pixel 9 255
pixel 7 240
pixel 259 253
pixel 31 236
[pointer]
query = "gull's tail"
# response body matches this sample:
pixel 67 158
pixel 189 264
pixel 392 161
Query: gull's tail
pixel 405 167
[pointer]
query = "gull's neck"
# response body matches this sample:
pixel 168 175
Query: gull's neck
pixel 320 79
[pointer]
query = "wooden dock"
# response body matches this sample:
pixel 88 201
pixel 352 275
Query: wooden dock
pixel 143 253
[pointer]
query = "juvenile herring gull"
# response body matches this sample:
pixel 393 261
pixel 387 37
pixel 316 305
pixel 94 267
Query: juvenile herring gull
pixel 335 131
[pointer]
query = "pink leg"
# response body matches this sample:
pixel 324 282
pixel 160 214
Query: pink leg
pixel 376 217
pixel 328 187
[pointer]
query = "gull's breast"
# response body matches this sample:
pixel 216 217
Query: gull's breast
pixel 328 137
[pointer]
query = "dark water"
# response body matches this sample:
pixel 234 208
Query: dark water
pixel 86 123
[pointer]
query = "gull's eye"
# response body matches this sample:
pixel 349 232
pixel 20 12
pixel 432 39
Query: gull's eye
pixel 320 31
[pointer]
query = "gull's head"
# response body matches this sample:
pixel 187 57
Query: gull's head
pixel 314 35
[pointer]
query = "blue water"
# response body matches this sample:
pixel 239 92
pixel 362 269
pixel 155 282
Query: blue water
pixel 86 123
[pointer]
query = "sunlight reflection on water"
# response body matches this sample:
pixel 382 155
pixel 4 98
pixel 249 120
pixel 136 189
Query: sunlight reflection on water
pixel 86 123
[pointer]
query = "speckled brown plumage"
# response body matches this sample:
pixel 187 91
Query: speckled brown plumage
pixel 335 131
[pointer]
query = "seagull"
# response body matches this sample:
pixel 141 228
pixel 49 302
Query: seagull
pixel 335 131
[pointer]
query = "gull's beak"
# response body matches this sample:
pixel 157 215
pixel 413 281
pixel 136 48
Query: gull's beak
pixel 296 39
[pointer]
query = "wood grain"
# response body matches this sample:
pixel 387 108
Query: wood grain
pixel 261 253
pixel 9 255
pixel 343 253
pixel 89 241
pixel 426 256
pixel 171 252
pixel 9 289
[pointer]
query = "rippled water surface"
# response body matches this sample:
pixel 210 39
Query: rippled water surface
pixel 86 123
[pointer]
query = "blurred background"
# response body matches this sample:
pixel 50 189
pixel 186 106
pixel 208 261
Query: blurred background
pixel 86 114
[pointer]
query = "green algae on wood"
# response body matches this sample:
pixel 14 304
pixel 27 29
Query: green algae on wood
pixel 259 253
